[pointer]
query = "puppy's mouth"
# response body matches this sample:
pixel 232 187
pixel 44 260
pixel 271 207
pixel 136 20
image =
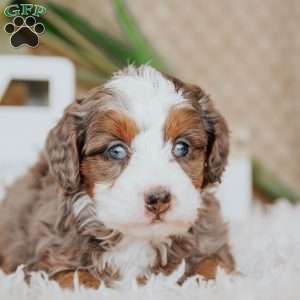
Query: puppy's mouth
pixel 157 219
pixel 156 228
pixel 157 214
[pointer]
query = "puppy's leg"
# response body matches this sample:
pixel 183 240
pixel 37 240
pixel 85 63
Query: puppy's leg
pixel 66 279
pixel 208 266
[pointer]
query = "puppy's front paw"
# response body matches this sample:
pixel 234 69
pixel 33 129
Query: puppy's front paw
pixel 66 279
pixel 208 266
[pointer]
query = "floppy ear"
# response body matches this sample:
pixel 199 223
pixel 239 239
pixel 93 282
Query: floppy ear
pixel 216 129
pixel 217 149
pixel 65 140
pixel 62 151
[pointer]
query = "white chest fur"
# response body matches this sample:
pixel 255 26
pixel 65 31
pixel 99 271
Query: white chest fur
pixel 131 258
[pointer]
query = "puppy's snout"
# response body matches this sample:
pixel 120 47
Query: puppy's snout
pixel 158 200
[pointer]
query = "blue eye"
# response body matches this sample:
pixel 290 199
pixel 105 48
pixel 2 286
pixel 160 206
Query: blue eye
pixel 117 152
pixel 181 149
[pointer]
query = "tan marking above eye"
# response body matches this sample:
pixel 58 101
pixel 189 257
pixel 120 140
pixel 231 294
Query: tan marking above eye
pixel 185 123
pixel 107 127
pixel 103 130
pixel 121 126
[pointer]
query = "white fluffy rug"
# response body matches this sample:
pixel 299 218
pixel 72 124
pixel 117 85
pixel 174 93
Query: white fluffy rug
pixel 266 247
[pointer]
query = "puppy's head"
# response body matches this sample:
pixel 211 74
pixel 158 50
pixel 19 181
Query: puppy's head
pixel 142 147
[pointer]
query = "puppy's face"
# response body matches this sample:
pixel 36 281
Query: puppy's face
pixel 142 148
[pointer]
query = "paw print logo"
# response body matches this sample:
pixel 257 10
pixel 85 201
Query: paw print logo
pixel 24 31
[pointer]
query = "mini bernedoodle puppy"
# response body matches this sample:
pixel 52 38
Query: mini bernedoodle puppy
pixel 120 190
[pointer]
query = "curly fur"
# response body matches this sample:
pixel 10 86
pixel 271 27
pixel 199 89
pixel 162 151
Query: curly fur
pixel 48 219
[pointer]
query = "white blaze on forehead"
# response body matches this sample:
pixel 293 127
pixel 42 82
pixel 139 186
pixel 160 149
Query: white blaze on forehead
pixel 146 94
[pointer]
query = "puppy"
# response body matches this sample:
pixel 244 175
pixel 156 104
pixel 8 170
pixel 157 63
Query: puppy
pixel 120 190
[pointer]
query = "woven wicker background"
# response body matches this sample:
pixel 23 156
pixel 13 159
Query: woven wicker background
pixel 245 53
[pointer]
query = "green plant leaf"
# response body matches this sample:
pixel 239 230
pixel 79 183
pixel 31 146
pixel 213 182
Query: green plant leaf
pixel 88 78
pixel 87 50
pixel 91 52
pixel 116 50
pixel 96 53
pixel 269 185
pixel 145 54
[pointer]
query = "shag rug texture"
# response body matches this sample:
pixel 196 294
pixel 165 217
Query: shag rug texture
pixel 266 246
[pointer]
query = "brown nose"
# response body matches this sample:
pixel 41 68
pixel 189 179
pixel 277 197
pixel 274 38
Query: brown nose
pixel 158 201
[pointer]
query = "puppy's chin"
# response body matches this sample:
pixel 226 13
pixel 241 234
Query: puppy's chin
pixel 152 230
